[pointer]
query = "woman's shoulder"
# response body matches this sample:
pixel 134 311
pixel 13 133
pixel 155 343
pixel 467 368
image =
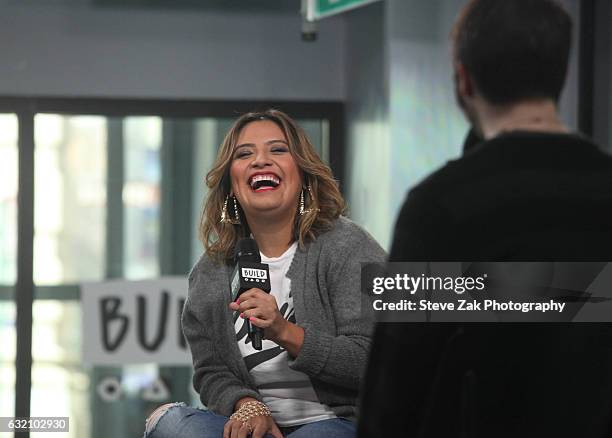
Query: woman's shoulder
pixel 346 235
pixel 345 229
pixel 206 272
pixel 205 265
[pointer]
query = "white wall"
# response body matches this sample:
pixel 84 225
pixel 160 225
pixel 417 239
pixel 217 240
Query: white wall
pixel 78 50
pixel 402 118
pixel 368 183
pixel 427 128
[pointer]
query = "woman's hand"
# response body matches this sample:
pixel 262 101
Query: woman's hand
pixel 261 309
pixel 256 426
pixel 259 427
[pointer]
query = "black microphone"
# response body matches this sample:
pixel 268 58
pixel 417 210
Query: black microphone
pixel 249 273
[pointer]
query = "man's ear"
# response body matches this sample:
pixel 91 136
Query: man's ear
pixel 465 85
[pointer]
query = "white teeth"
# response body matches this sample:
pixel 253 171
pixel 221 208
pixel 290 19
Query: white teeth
pixel 258 178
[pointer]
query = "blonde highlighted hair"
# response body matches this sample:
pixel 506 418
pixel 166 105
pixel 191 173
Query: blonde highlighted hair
pixel 323 204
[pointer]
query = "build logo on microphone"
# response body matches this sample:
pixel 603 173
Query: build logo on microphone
pixel 257 275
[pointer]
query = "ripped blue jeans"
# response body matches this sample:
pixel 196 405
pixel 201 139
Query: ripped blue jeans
pixel 181 421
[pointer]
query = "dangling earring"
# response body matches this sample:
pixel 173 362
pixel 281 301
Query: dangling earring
pixel 226 218
pixel 303 210
pixel 237 215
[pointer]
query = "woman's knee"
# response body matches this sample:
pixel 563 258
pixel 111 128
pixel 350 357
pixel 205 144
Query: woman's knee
pixel 169 409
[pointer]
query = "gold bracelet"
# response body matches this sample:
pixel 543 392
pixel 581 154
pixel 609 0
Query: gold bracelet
pixel 250 410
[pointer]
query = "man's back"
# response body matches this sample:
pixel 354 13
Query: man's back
pixel 520 196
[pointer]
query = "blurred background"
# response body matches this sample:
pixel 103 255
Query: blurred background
pixel 111 113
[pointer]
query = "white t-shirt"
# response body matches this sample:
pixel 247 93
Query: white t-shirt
pixel 289 394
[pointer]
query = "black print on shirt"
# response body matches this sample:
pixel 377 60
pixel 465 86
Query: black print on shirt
pixel 252 360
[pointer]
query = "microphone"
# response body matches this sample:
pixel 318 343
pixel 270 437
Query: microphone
pixel 249 273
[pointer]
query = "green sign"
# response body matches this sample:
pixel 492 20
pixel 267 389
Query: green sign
pixel 318 9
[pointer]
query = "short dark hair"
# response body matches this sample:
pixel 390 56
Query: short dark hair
pixel 514 49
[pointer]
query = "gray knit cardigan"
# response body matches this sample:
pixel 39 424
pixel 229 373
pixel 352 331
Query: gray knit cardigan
pixel 325 285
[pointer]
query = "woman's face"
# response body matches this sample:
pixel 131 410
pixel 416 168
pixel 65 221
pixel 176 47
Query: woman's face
pixel 265 178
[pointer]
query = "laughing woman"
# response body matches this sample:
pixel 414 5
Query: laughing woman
pixel 269 183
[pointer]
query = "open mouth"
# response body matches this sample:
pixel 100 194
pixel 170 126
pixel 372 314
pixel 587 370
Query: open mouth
pixel 264 182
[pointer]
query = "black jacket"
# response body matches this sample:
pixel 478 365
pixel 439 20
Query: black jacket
pixel 524 197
